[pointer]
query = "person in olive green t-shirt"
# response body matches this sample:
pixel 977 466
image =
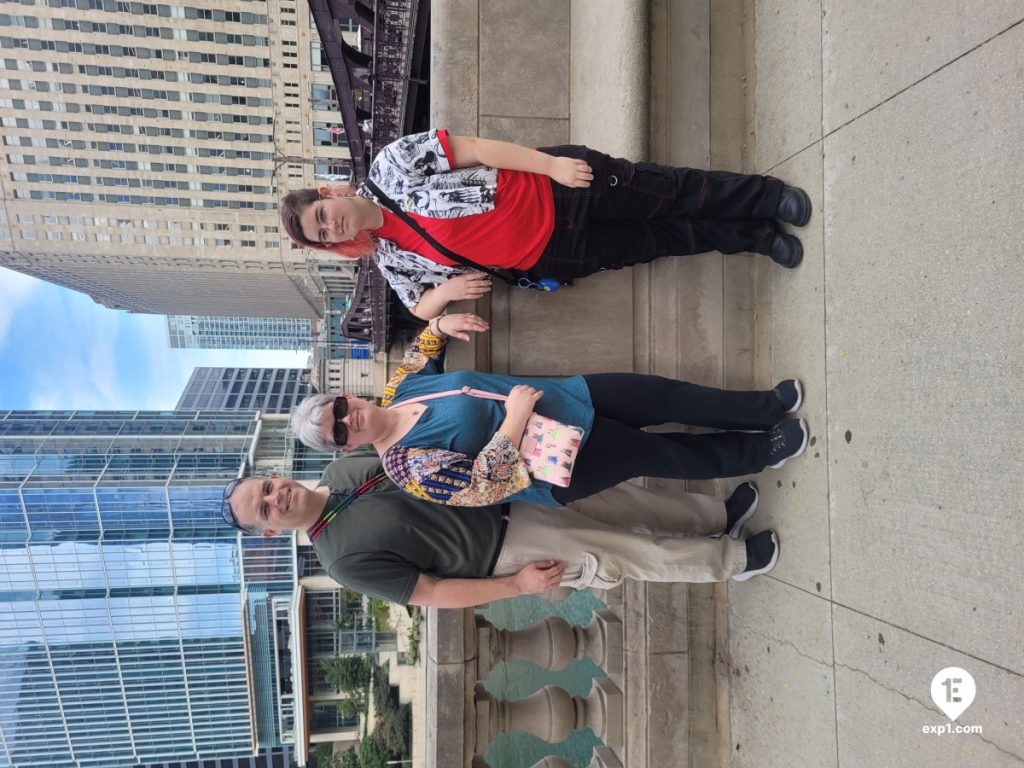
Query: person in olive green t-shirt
pixel 390 545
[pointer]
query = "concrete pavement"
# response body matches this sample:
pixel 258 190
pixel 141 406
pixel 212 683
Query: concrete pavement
pixel 901 527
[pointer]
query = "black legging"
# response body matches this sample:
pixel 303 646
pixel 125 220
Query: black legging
pixel 618 449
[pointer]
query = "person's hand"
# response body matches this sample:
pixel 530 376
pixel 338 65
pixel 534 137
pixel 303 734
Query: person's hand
pixel 471 285
pixel 521 400
pixel 460 325
pixel 570 172
pixel 539 576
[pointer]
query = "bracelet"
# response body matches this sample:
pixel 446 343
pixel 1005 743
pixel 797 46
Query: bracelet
pixel 437 324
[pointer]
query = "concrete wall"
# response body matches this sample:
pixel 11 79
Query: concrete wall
pixel 543 72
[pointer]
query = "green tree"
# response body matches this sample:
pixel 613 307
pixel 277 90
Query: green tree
pixel 350 707
pixel 371 755
pixel 349 673
pixel 394 731
pixel 349 759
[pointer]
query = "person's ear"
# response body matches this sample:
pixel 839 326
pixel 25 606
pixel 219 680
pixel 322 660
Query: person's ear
pixel 270 532
pixel 326 192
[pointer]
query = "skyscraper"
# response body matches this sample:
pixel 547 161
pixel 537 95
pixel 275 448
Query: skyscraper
pixel 145 146
pixel 136 628
pixel 124 625
pixel 271 390
pixel 197 332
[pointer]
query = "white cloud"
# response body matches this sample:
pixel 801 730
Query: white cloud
pixel 15 291
pixel 84 356
pixel 77 365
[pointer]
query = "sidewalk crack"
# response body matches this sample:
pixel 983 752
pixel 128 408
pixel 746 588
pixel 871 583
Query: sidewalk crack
pixel 930 709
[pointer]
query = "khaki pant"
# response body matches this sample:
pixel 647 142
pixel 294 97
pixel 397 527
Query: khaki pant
pixel 624 532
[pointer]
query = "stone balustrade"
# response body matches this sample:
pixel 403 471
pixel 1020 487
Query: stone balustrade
pixel 463 649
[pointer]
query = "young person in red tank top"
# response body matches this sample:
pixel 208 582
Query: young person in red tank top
pixel 556 212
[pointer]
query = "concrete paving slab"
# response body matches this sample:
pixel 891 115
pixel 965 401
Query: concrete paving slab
pixel 795 498
pixel 686 316
pixel 598 339
pixel 679 82
pixel 883 701
pixel 610 45
pixel 788 95
pixel 668 701
pixel 782 691
pixel 527 131
pixel 454 72
pixel 924 278
pixel 866 60
pixel 522 46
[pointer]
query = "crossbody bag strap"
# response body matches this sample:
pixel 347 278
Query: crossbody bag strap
pixel 392 206
pixel 464 391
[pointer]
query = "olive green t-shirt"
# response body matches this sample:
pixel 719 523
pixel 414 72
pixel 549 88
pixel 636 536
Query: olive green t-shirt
pixel 383 541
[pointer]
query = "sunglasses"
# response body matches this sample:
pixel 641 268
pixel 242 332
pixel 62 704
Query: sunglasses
pixel 225 508
pixel 340 430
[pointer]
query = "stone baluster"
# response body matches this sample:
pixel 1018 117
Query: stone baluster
pixel 551 714
pixel 552 643
pixel 556 594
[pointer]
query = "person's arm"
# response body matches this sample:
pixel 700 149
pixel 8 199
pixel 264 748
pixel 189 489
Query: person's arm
pixel 468 151
pixel 518 408
pixel 533 579
pixel 449 477
pixel 429 345
pixel 470 286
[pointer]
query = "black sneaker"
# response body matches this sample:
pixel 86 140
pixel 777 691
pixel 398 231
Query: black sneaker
pixel 794 206
pixel 786 441
pixel 787 250
pixel 791 393
pixel 740 505
pixel 762 555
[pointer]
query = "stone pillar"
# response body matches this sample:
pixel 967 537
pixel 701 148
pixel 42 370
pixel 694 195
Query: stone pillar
pixel 552 643
pixel 551 714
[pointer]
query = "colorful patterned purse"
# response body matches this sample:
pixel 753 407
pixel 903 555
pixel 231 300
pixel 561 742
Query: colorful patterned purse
pixel 548 447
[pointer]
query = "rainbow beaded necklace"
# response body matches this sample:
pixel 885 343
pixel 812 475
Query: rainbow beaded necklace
pixel 328 515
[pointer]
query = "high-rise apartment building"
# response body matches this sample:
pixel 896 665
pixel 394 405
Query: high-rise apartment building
pixel 270 390
pixel 197 332
pixel 135 627
pixel 145 146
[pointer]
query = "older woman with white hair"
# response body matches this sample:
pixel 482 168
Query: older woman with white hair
pixel 456 437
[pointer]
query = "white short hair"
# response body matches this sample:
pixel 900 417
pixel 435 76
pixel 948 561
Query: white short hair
pixel 307 423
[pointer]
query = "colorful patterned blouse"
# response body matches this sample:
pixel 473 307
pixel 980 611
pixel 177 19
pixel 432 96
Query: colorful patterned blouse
pixel 455 453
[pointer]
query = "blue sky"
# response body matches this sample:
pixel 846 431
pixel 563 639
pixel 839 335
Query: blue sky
pixel 60 349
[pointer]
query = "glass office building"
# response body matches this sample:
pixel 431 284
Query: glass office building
pixel 197 332
pixel 129 613
pixel 269 390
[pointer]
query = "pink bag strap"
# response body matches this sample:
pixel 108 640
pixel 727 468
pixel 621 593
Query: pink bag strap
pixel 464 391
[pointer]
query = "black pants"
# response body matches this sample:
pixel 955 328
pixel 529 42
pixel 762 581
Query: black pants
pixel 618 449
pixel 637 212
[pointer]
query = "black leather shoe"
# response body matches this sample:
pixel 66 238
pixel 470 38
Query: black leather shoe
pixel 787 250
pixel 794 206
